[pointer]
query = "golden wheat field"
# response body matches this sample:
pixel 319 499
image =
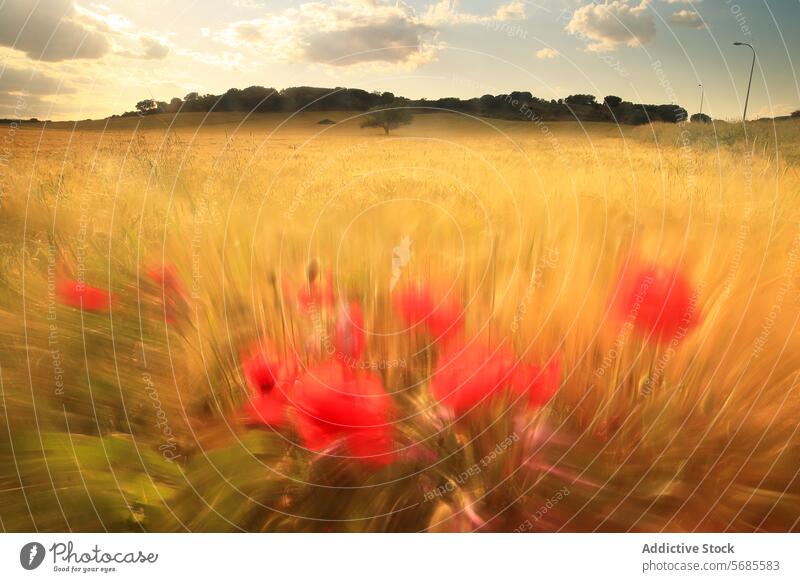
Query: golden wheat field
pixel 228 241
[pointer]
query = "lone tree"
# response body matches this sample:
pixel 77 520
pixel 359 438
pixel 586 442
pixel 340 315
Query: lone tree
pixel 146 106
pixel 389 116
pixel 700 118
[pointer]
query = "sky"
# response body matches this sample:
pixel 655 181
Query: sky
pixel 78 59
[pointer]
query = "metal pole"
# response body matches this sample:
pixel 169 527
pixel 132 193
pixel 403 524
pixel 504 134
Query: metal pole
pixel 702 94
pixel 750 82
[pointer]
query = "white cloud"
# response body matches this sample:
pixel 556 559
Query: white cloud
pixel 447 12
pixel 152 48
pixel 687 18
pixel 682 1
pixel 50 30
pixel 104 19
pixel 605 26
pixel 512 11
pixel 347 32
pixel 28 93
pixel 24 82
pixel 17 107
pixel 547 53
pixel 149 48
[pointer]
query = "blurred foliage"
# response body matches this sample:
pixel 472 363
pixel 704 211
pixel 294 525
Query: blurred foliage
pixel 125 421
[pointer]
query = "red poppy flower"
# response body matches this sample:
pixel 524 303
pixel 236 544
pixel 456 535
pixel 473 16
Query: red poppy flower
pixel 443 317
pixel 333 402
pixel 657 300
pixel 168 277
pixel 77 294
pixel 540 383
pixel 372 446
pixel 269 382
pixel 467 376
pixel 174 292
pixel 349 335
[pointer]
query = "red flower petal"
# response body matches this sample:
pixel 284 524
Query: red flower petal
pixel 174 292
pixel 334 402
pixel 442 316
pixel 269 410
pixel 374 446
pixel 167 276
pixel 270 381
pixel 658 301
pixel 467 376
pixel 539 383
pixel 82 296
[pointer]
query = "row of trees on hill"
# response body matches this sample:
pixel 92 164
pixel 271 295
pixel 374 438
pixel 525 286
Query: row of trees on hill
pixel 517 105
pixel 266 99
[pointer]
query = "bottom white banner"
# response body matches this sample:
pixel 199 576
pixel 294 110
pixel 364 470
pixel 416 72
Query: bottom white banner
pixel 369 557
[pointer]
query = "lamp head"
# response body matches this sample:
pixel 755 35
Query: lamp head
pixel 738 44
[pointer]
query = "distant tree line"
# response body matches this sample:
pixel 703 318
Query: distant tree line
pixel 517 105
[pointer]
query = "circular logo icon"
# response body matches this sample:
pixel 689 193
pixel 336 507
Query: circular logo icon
pixel 31 555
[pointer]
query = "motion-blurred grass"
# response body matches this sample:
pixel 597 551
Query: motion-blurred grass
pixel 120 421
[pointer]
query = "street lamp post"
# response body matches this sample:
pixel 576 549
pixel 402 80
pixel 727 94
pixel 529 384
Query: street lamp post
pixel 752 66
pixel 702 94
